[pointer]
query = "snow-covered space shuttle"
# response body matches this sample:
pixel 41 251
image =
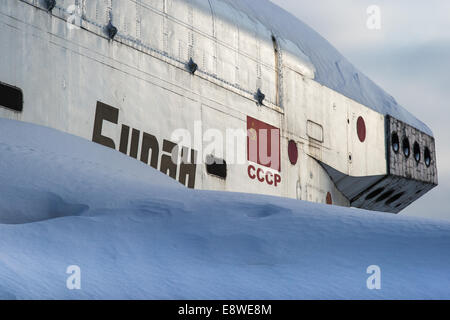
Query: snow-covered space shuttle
pixel 128 74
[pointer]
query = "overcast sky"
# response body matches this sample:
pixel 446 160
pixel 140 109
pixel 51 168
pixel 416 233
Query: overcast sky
pixel 409 57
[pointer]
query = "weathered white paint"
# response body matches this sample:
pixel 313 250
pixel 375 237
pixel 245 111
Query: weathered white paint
pixel 63 73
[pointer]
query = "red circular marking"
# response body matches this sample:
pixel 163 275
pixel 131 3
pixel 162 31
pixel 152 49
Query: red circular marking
pixel 293 152
pixel 329 199
pixel 361 128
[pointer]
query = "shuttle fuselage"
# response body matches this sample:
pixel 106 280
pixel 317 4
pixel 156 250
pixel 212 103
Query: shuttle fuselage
pixel 140 76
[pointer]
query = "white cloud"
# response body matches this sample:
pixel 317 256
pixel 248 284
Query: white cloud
pixel 404 22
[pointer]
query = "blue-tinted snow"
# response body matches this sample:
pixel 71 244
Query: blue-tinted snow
pixel 137 234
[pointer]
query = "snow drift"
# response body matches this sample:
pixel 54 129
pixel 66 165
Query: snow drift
pixel 136 234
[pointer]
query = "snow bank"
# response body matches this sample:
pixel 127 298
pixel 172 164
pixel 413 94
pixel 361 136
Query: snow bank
pixel 331 68
pixel 136 234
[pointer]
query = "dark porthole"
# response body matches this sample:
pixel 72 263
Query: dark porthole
pixel 427 157
pixel 385 195
pixel 375 193
pixel 395 142
pixel 216 167
pixel 394 198
pixel 406 147
pixel 416 150
pixel 11 97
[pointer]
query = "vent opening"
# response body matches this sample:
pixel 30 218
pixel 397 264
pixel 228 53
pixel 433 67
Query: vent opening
pixel 216 167
pixel 416 150
pixel 427 157
pixel 385 195
pixel 11 97
pixel 375 193
pixel 394 198
pixel 395 142
pixel 406 147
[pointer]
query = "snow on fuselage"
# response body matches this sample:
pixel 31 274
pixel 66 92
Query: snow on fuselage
pixel 135 76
